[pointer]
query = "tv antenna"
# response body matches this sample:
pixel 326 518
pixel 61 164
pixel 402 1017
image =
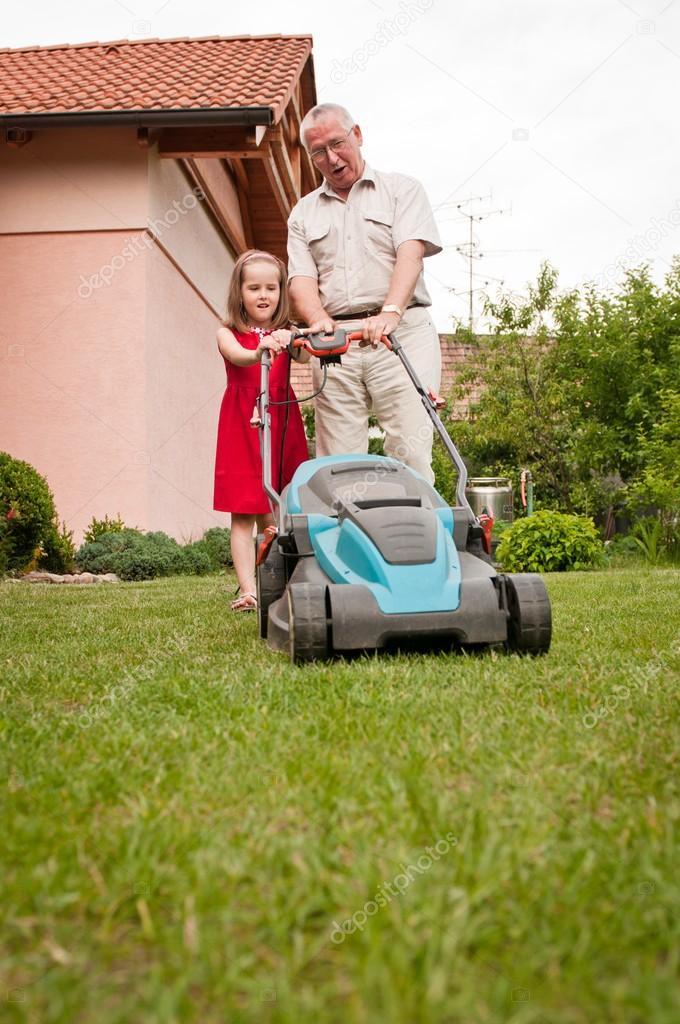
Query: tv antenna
pixel 469 249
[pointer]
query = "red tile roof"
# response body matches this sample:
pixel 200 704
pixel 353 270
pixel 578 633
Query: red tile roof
pixel 153 74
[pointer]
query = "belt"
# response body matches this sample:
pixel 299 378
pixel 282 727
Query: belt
pixel 364 313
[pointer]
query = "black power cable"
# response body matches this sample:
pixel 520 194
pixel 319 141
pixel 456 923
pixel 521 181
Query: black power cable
pixel 293 401
pixel 284 428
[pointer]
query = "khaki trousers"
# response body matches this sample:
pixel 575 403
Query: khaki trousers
pixel 374 381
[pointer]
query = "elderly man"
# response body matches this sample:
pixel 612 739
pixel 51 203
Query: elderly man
pixel 355 257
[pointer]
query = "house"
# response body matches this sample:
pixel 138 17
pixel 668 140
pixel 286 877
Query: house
pixel 132 174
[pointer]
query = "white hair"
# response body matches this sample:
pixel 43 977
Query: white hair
pixel 322 110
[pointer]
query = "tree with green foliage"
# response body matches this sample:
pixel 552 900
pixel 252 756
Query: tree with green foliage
pixel 30 533
pixel 583 389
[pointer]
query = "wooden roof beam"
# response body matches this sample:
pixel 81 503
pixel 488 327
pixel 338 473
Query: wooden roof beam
pixel 309 174
pixel 188 143
pixel 213 178
pixel 280 151
pixel 277 187
pixel 238 172
pixel 291 134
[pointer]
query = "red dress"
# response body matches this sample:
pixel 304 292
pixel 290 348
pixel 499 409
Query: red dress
pixel 238 465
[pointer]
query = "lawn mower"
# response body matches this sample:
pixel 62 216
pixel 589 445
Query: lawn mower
pixel 365 555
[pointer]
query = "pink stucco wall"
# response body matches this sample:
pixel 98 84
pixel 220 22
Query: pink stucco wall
pixel 70 179
pixel 72 379
pixel 185 383
pixel 110 381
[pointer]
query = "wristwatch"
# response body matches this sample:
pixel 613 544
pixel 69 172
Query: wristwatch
pixel 392 308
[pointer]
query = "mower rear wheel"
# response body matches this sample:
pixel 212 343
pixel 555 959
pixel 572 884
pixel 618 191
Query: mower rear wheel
pixel 270 577
pixel 308 622
pixel 529 614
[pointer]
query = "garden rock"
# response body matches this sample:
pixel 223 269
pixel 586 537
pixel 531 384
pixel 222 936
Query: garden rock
pixel 83 577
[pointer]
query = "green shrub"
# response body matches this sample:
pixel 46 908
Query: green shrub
pixel 57 550
pixel 99 556
pixel 550 542
pixel 98 527
pixel 196 559
pixel 166 549
pixel 27 511
pixel 4 546
pixel 147 556
pixel 141 562
pixel 144 556
pixel 218 542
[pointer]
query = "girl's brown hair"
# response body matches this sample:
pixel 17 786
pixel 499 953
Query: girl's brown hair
pixel 236 314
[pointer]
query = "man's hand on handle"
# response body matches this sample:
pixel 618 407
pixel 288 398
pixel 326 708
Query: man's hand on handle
pixel 323 325
pixel 374 327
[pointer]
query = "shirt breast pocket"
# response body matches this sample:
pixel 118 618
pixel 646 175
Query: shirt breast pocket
pixel 378 231
pixel 319 241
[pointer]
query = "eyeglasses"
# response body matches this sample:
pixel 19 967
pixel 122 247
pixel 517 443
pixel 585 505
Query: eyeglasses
pixel 336 145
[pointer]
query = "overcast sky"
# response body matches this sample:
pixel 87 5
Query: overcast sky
pixel 564 112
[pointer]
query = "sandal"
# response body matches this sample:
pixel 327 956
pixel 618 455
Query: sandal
pixel 244 603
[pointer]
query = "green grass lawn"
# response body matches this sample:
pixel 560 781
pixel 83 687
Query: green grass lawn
pixel 189 820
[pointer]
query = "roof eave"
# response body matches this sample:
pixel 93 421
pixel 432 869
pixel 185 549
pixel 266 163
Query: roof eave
pixel 142 118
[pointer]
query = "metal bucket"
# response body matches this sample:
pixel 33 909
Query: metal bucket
pixel 493 493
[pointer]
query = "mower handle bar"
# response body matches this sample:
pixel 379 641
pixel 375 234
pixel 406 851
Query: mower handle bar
pixel 337 344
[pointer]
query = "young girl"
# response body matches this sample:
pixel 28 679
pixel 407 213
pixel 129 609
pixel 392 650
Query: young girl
pixel 257 314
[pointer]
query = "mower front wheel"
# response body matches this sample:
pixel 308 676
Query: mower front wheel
pixel 308 626
pixel 529 614
pixel 270 577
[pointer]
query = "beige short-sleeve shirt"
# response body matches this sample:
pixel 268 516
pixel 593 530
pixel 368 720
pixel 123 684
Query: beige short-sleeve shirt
pixel 350 247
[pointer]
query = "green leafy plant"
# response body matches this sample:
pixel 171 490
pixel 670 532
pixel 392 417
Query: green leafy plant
pixel 648 536
pixel 658 482
pixel 445 476
pixel 376 441
pixel 57 550
pixel 26 510
pixel 622 549
pixel 550 542
pixel 307 410
pixel 98 527
pixel 501 527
